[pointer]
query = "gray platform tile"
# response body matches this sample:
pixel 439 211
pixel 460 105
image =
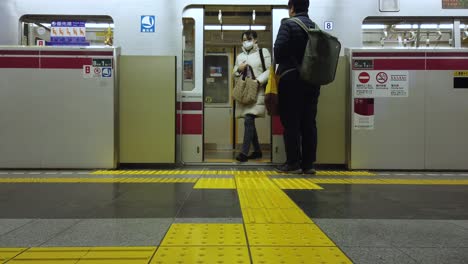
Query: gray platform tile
pixel 353 232
pixel 8 225
pixel 438 255
pixel 422 233
pixel 113 232
pixel 36 232
pixel 461 223
pixel 210 220
pixel 397 233
pixel 373 255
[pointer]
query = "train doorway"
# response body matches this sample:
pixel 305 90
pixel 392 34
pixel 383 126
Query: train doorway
pixel 210 128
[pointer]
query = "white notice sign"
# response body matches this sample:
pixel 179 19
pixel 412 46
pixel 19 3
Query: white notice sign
pixel 372 84
pixel 91 72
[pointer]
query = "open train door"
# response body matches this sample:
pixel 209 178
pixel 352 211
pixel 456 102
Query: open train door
pixel 278 150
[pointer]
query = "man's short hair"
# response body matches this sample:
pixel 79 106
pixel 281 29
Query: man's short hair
pixel 249 34
pixel 300 6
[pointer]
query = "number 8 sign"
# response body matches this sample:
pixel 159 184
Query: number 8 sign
pixel 328 25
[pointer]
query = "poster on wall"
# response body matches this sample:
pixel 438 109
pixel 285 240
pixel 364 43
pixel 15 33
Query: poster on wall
pixel 373 84
pixel 63 33
pixel 216 71
pixel 188 70
pixel 455 4
pixel 363 116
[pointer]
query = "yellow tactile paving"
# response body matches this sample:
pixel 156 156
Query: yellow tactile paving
pixel 280 255
pixel 201 255
pixel 129 253
pixel 87 255
pixel 254 183
pixel 264 199
pixel 205 235
pixel 301 235
pixel 215 183
pixel 98 180
pixel 328 173
pixel 296 184
pixel 274 216
pixel 225 172
pixel 8 253
pixel 390 181
pixel 345 173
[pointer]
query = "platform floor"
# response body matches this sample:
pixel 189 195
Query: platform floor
pixel 229 215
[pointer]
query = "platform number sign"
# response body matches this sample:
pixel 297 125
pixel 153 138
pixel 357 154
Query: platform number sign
pixel 148 24
pixel 328 25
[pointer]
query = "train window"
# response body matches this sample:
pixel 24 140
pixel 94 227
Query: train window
pixel 411 32
pixel 58 30
pixel 189 53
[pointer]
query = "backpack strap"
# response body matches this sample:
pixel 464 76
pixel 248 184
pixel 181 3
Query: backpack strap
pixel 262 59
pixel 303 26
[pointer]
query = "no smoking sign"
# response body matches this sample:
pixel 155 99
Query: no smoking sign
pixel 381 77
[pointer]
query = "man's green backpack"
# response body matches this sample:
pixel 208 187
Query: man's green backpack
pixel 320 57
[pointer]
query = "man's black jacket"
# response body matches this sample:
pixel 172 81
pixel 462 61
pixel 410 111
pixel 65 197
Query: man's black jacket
pixel 291 42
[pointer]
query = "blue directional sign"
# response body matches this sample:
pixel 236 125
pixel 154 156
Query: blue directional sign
pixel 148 24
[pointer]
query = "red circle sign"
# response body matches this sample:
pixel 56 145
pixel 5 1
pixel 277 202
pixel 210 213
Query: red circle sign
pixel 364 77
pixel 381 77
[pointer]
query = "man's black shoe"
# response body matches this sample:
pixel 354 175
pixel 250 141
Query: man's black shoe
pixel 241 157
pixel 255 155
pixel 310 171
pixel 290 169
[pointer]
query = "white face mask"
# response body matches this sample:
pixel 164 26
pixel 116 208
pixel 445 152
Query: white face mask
pixel 248 45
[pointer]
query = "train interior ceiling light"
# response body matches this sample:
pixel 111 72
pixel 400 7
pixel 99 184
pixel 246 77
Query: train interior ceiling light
pixel 235 27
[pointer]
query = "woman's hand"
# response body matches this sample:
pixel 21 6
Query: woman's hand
pixel 242 67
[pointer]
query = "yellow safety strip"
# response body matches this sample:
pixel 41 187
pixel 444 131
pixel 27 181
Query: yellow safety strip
pixel 183 235
pixel 390 181
pixel 131 255
pixel 98 180
pixel 280 255
pixel 225 172
pixel 215 183
pixel 296 184
pixel 201 255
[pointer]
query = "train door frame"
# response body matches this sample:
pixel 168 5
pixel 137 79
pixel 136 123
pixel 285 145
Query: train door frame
pixel 197 12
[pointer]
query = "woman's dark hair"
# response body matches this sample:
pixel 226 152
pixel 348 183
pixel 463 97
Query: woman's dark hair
pixel 249 34
pixel 300 6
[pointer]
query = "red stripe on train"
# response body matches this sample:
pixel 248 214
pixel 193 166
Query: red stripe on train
pixel 190 106
pixel 447 64
pixel 19 62
pixel 389 54
pixel 191 124
pixel 65 63
pixel 399 64
pixel 277 128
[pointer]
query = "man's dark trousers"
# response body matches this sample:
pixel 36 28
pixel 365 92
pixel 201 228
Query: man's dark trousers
pixel 298 110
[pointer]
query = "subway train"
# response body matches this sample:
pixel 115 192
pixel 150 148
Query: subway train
pixel 163 94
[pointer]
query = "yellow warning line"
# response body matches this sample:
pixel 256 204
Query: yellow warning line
pixel 273 220
pixel 83 255
pixel 244 182
pixel 296 184
pixel 98 180
pixel 215 183
pixel 390 181
pixel 222 172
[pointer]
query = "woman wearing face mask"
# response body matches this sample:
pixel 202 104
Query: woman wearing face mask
pixel 251 56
